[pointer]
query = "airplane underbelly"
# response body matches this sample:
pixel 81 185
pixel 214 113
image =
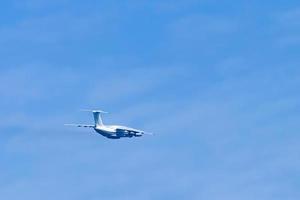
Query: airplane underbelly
pixel 106 133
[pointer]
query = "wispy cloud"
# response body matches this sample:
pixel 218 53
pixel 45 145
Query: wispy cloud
pixel 226 129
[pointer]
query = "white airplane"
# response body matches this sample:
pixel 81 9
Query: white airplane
pixel 110 131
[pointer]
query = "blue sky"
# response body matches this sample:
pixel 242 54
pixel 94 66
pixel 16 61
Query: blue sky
pixel 218 82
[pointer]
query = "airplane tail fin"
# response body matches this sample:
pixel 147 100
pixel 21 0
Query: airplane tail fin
pixel 97 116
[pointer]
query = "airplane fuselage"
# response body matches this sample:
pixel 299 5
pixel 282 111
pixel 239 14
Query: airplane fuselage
pixel 116 132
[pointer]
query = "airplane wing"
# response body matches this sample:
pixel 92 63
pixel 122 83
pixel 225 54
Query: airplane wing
pixel 81 125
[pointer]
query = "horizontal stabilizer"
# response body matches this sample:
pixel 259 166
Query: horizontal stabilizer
pixel 94 111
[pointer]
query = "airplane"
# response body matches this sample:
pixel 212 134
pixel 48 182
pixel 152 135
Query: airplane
pixel 110 131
